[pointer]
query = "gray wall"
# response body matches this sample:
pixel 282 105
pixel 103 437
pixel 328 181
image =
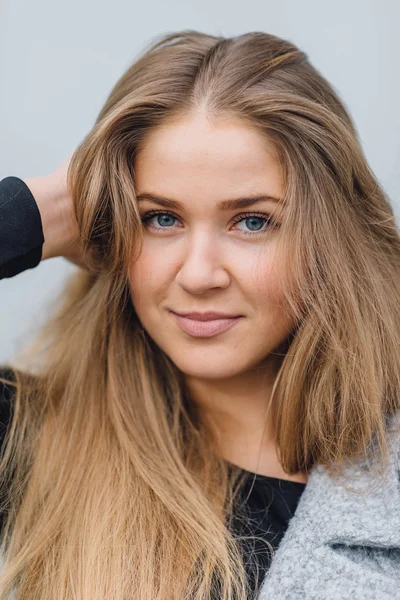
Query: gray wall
pixel 59 60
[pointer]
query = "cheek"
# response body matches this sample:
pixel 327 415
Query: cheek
pixel 267 291
pixel 261 276
pixel 149 279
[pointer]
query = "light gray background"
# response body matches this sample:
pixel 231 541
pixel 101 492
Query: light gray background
pixel 59 60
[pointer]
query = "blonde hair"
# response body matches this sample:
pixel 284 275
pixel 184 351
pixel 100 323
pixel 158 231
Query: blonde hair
pixel 113 484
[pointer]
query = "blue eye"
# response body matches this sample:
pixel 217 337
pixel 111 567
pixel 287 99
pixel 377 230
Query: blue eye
pixel 164 219
pixel 252 222
pixel 257 222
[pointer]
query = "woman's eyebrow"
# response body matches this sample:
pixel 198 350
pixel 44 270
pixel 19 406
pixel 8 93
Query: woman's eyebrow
pixel 232 204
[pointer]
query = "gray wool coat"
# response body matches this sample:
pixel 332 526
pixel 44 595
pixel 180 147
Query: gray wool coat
pixel 341 545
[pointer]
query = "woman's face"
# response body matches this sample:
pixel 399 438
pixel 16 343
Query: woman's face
pixel 201 256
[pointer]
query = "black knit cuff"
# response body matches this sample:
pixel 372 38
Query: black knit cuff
pixel 21 231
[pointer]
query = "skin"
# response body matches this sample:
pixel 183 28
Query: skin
pixel 54 201
pixel 200 259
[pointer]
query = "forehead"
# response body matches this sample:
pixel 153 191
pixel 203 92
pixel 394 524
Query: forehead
pixel 193 152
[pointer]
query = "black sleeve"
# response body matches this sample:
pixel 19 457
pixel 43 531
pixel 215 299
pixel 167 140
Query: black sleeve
pixel 21 233
pixel 7 398
pixel 7 392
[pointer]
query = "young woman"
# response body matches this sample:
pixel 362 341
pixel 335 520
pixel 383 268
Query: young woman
pixel 212 409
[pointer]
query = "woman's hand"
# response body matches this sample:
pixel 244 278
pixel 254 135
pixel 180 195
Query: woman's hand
pixel 61 234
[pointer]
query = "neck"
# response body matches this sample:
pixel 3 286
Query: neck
pixel 238 412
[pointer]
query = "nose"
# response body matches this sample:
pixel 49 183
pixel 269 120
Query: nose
pixel 202 265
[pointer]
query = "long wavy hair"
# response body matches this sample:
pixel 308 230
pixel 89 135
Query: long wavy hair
pixel 113 486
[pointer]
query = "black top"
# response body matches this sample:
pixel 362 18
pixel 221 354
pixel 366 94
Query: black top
pixel 21 233
pixel 271 503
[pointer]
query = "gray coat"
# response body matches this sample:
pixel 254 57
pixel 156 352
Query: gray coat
pixel 340 545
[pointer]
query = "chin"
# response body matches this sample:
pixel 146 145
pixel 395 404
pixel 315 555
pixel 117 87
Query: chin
pixel 208 368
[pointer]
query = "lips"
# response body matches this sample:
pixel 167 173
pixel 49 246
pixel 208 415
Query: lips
pixel 206 326
pixel 206 316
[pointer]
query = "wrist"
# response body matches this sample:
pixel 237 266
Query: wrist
pixel 52 205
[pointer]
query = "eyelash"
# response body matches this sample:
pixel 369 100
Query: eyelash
pixel 268 219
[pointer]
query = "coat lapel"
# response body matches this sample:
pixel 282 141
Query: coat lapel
pixel 340 544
